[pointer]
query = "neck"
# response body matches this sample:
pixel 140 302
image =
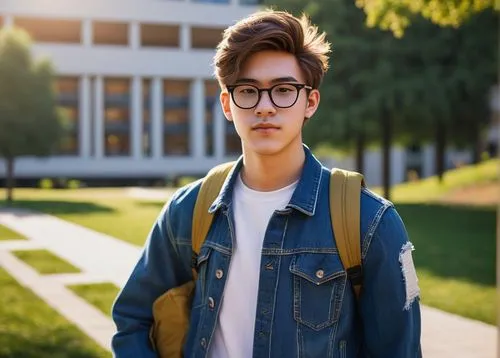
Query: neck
pixel 272 172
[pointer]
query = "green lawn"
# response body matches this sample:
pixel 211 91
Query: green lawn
pixel 101 295
pixel 455 257
pixel 455 245
pixel 45 262
pixel 29 328
pixel 106 210
pixel 7 234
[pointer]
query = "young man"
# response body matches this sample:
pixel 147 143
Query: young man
pixel 271 283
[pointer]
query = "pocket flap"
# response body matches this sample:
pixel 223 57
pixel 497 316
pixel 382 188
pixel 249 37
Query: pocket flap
pixel 317 268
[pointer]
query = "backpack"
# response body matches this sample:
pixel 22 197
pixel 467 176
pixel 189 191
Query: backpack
pixel 171 310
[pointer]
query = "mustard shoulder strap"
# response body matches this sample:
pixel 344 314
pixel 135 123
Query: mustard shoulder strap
pixel 345 192
pixel 209 190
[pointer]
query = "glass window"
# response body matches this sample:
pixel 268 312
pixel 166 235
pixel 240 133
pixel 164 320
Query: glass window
pixel 205 37
pixel 51 30
pixel 155 35
pixel 117 116
pixel 176 117
pixel 110 33
pixel 146 117
pixel 67 98
pixel 211 100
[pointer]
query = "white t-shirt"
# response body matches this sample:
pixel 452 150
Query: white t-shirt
pixel 234 331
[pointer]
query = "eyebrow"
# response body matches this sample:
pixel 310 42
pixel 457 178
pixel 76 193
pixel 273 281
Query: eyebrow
pixel 273 81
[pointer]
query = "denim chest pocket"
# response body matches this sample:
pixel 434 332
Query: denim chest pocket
pixel 319 282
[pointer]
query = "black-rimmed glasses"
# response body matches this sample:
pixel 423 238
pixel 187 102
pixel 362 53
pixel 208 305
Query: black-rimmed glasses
pixel 282 95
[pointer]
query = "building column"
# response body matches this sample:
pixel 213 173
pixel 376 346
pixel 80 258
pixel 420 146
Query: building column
pixel 136 118
pixel 87 33
pixel 134 35
pixel 219 134
pixel 156 128
pixel 185 40
pixel 8 21
pixel 197 118
pixel 84 117
pixel 99 117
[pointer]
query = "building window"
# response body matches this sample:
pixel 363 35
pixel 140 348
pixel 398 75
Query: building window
pixel 154 35
pixel 211 101
pixel 51 30
pixel 117 116
pixel 176 117
pixel 146 117
pixel 110 33
pixel 251 2
pixel 212 1
pixel 67 98
pixel 205 38
pixel 233 142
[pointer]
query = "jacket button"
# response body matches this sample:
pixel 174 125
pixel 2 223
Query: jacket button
pixel 320 274
pixel 219 274
pixel 203 343
pixel 211 302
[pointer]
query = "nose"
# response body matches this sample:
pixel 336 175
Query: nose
pixel 265 106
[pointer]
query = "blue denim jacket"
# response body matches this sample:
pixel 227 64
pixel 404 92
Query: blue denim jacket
pixel 299 313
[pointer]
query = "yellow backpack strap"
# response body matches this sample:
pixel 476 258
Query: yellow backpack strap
pixel 345 193
pixel 202 219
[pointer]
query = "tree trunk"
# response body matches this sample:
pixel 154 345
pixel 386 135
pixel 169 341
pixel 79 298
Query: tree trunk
pixel 9 163
pixel 386 154
pixel 476 142
pixel 360 152
pixel 440 150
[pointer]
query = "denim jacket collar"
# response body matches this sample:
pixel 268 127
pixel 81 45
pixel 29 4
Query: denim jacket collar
pixel 304 198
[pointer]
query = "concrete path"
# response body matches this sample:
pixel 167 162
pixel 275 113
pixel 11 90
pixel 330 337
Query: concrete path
pixel 105 259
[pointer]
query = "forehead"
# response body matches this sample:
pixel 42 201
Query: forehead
pixel 267 65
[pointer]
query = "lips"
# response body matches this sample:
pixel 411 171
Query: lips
pixel 264 126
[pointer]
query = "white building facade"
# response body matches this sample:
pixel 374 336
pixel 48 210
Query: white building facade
pixel 135 79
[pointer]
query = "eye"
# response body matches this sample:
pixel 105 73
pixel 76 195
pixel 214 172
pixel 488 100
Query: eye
pixel 246 90
pixel 283 89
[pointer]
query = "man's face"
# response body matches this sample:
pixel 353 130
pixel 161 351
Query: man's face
pixel 264 127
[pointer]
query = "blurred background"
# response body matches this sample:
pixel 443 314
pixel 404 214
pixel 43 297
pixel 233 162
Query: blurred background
pixel 107 106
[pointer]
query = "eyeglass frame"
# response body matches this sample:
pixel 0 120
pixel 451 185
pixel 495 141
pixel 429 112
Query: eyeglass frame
pixel 298 86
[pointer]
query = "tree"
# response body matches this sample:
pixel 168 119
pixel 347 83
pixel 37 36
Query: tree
pixel 397 15
pixel 386 90
pixel 30 123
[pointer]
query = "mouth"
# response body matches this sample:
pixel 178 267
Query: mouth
pixel 265 127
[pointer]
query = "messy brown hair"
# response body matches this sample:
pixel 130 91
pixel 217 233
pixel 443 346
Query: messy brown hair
pixel 272 30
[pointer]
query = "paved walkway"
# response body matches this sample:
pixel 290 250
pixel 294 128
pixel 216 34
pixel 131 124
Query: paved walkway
pixel 102 258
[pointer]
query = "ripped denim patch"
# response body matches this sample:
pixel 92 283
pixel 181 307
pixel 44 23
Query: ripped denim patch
pixel 409 274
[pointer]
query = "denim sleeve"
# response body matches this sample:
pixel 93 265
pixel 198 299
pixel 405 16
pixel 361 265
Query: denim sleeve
pixel 389 303
pixel 158 269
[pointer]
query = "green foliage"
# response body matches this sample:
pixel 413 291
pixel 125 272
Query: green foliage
pixel 397 15
pixel 29 119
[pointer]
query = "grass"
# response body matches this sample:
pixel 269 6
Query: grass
pixel 29 328
pixel 430 189
pixel 7 234
pixel 455 245
pixel 101 295
pixel 45 262
pixel 109 211
pixel 455 257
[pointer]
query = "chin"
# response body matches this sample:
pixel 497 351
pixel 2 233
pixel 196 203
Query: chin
pixel 266 148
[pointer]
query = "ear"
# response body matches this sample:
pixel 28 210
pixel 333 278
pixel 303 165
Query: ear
pixel 312 103
pixel 225 101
